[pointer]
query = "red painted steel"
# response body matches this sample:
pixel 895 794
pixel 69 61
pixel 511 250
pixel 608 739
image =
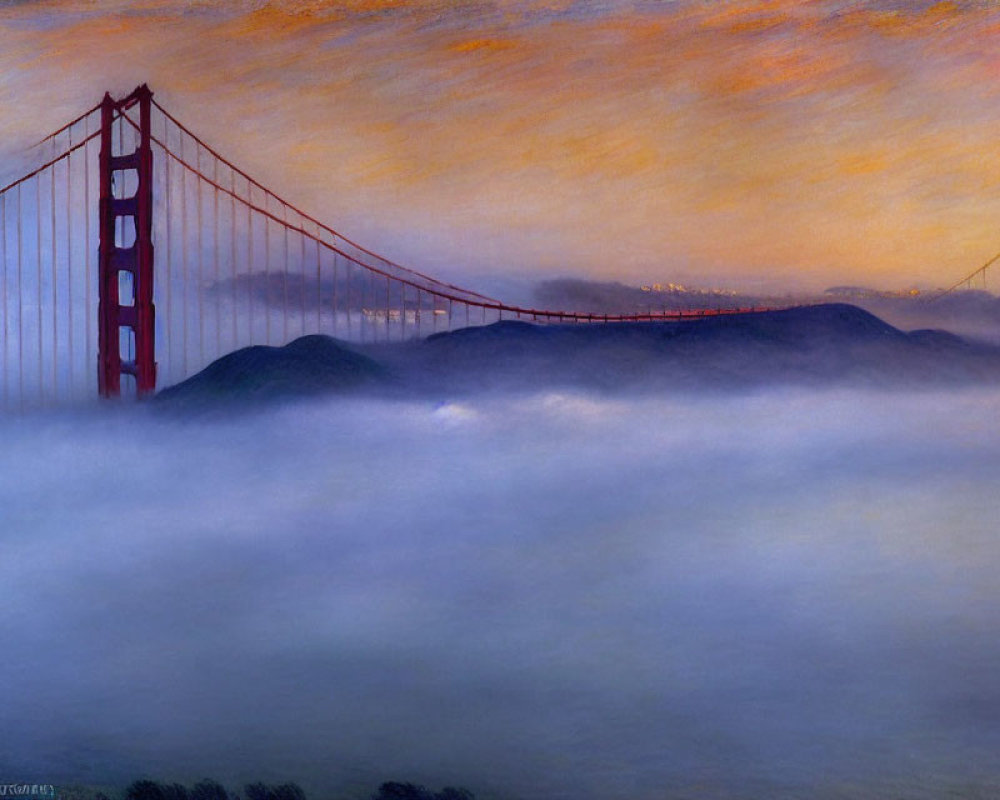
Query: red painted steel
pixel 108 354
pixel 136 260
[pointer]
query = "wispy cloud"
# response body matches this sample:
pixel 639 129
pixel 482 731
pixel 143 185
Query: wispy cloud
pixel 821 141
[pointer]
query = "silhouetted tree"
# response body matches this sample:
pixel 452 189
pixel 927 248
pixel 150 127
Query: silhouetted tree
pixel 208 790
pixel 174 791
pixel 284 791
pixel 410 791
pixel 402 791
pixel 288 791
pixel 145 790
pixel 257 791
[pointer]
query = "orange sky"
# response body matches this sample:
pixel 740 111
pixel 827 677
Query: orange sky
pixel 747 144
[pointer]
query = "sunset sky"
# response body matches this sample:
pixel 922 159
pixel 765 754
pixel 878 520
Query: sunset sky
pixel 748 144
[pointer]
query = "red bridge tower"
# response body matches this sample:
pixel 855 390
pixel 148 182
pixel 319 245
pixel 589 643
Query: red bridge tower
pixel 135 317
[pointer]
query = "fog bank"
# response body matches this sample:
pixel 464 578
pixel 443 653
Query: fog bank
pixel 551 596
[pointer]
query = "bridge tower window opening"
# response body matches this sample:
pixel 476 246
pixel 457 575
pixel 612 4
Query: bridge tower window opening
pixel 126 342
pixel 126 290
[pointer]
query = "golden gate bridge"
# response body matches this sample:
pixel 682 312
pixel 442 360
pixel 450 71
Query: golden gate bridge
pixel 135 254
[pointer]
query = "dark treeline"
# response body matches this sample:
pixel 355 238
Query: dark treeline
pixel 409 791
pixel 213 790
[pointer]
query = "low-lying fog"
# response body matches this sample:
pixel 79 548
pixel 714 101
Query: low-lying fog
pixel 549 596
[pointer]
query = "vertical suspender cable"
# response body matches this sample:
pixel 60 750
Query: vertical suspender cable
pixel 373 303
pixel 302 274
pixel 215 257
pixel 402 311
pixel 267 272
pixel 350 275
pixel 366 320
pixel 55 280
pixel 86 256
pixel 334 300
pixel 20 306
pixel 284 278
pixel 166 248
pixel 184 265
pixel 232 253
pixel 319 289
pixel 387 308
pixel 38 278
pixel 200 285
pixel 250 274
pixel 69 258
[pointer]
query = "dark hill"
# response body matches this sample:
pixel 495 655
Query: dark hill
pixel 820 345
pixel 308 366
pixel 811 345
